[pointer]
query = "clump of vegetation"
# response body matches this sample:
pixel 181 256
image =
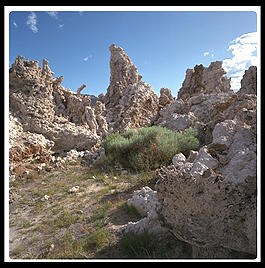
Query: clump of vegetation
pixel 149 147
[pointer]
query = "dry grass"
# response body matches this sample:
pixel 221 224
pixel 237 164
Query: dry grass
pixel 71 225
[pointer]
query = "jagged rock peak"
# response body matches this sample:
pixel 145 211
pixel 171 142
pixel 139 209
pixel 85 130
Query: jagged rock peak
pixel 202 79
pixel 122 71
pixel 129 101
pixel 249 81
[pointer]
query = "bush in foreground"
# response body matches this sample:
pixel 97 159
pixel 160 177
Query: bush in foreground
pixel 148 148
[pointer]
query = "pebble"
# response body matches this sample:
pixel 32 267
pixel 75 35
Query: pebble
pixel 12 177
pixel 74 189
pixel 51 248
pixel 45 198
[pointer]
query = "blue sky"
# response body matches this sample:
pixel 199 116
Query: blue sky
pixel 162 44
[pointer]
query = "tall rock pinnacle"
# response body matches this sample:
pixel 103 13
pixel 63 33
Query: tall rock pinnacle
pixel 129 101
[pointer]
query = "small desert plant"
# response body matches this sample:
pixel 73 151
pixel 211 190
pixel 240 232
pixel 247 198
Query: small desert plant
pixel 148 148
pixel 141 245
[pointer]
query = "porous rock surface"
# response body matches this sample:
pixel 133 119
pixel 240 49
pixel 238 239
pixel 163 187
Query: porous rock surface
pixel 209 199
pixel 130 102
pixel 146 203
pixel 44 107
pixel 206 99
pixel 249 81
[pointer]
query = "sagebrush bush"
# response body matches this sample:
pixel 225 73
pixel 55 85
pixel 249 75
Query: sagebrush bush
pixel 150 147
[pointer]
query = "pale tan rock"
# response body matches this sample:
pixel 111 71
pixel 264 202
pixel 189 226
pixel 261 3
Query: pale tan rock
pixel 165 97
pixel 211 201
pixel 81 88
pixel 204 80
pixel 45 107
pixel 130 103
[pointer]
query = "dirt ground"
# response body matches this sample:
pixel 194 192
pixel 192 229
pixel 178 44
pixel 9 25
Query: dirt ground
pixel 81 225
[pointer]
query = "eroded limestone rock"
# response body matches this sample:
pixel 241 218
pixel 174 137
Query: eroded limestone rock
pixel 45 107
pixel 249 81
pixel 130 103
pixel 211 201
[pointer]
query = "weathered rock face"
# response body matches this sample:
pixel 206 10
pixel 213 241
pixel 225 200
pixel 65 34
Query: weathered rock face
pixel 204 100
pixel 23 145
pixel 209 199
pixel 130 103
pixel 165 97
pixel 207 80
pixel 249 81
pixel 44 107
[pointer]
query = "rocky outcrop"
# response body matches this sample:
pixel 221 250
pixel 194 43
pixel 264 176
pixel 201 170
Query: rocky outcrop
pixel 206 80
pixel 209 200
pixel 204 100
pixel 249 81
pixel 43 106
pixel 165 97
pixel 130 102
pixel 24 144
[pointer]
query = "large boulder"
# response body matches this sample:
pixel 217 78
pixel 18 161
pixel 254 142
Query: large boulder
pixel 210 200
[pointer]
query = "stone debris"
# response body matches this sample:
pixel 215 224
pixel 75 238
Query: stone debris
pixel 74 189
pixel 44 198
pixel 146 203
pixel 12 177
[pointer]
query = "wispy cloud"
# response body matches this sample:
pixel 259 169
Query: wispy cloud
pixel 243 50
pixel 32 22
pixel 53 14
pixel 87 57
pixel 207 53
pixel 60 26
pixel 14 23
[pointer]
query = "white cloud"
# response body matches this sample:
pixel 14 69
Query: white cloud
pixel 60 26
pixel 207 53
pixel 243 50
pixel 87 57
pixel 32 22
pixel 53 14
pixel 14 23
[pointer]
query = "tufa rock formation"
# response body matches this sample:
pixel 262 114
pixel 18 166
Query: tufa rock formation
pixel 207 80
pixel 43 106
pixel 130 103
pixel 202 102
pixel 249 81
pixel 209 199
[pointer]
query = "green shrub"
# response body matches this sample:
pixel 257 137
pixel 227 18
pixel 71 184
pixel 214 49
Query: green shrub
pixel 148 148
